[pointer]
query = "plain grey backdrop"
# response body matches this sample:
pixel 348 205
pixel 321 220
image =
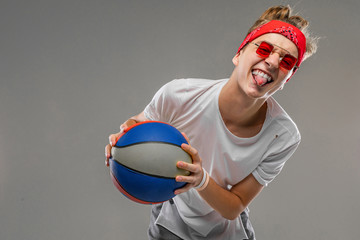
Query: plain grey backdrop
pixel 73 70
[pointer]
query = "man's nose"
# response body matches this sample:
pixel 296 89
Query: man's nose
pixel 273 60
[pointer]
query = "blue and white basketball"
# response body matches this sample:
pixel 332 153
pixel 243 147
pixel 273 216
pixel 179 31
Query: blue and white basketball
pixel 143 163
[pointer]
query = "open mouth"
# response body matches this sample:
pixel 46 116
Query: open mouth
pixel 261 78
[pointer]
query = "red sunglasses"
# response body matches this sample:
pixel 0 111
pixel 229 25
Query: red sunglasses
pixel 265 49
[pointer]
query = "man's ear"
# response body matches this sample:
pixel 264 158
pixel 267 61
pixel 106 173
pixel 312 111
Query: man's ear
pixel 235 59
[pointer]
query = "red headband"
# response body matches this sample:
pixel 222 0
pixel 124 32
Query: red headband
pixel 289 31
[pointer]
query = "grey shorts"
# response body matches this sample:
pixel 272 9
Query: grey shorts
pixel 158 232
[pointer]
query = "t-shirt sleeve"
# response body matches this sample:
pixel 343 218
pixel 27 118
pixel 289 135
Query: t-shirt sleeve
pixel 153 110
pixel 164 104
pixel 272 165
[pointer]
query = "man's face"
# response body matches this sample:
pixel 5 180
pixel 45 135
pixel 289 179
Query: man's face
pixel 262 77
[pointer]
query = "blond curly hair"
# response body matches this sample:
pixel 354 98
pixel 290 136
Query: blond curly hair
pixel 284 13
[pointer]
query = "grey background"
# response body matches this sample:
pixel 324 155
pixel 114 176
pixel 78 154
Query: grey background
pixel 72 71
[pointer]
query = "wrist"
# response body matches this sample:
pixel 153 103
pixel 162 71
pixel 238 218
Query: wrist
pixel 204 181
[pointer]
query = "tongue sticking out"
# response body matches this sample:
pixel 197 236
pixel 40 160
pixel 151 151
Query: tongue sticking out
pixel 260 81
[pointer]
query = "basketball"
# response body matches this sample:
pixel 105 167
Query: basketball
pixel 143 162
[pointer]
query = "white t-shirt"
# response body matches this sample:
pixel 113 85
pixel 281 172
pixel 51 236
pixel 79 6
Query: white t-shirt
pixel 191 105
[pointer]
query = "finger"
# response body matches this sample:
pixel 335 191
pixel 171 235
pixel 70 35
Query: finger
pixel 107 154
pixel 195 169
pixel 113 138
pixel 123 127
pixel 127 124
pixel 188 179
pixel 192 151
pixel 196 173
pixel 186 188
pixel 108 151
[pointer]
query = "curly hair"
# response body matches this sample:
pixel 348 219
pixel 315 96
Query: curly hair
pixel 284 13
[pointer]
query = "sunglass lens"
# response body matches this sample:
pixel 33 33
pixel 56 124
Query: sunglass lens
pixel 288 62
pixel 264 49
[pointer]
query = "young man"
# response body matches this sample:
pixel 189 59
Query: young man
pixel 240 137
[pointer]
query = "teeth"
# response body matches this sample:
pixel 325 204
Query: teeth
pixel 262 74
